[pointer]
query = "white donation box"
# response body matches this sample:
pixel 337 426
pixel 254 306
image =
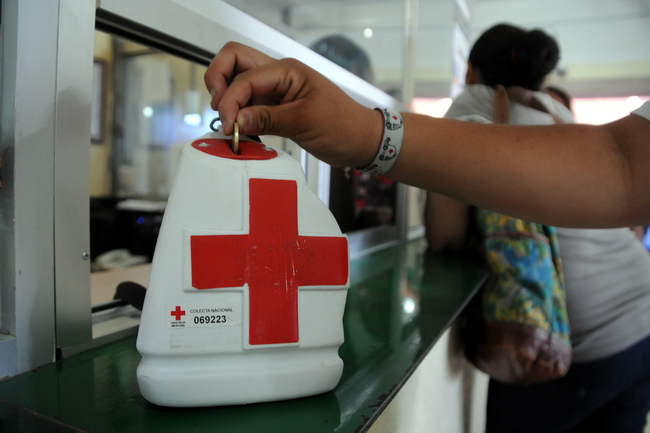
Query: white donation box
pixel 248 283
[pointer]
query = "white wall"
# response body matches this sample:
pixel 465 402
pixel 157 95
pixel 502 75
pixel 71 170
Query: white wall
pixel 445 394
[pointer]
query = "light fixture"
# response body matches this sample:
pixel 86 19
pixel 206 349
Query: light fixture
pixel 192 116
pixel 368 33
pixel 147 112
pixel 193 119
pixel 409 305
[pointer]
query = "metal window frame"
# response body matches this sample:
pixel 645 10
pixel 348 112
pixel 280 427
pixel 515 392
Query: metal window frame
pixel 46 81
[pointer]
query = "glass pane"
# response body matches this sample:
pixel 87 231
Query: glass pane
pixel 440 48
pixel 146 106
pixel 364 36
pixel 361 200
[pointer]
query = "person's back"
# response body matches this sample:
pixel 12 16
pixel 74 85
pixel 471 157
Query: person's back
pixel 607 277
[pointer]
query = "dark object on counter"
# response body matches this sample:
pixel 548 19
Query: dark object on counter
pixel 131 293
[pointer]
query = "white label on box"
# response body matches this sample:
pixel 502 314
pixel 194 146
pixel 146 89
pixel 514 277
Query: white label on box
pixel 201 315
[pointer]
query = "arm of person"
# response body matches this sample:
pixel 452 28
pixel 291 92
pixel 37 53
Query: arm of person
pixel 445 222
pixel 565 175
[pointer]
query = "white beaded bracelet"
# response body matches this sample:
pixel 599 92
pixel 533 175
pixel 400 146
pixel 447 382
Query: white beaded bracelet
pixel 391 143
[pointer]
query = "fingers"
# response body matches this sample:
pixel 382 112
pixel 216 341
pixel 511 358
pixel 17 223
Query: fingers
pixel 232 59
pixel 280 82
pixel 520 95
pixel 288 99
pixel 269 120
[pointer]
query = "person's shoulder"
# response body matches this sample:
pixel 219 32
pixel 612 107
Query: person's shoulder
pixel 555 108
pixel 643 111
pixel 474 102
pixel 473 118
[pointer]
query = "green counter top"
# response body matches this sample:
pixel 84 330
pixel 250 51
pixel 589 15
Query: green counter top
pixel 400 302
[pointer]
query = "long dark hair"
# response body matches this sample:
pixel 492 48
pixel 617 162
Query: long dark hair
pixel 512 56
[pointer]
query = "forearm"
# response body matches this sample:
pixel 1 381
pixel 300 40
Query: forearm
pixel 446 222
pixel 571 175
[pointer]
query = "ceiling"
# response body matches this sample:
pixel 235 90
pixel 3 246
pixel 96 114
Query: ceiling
pixel 604 42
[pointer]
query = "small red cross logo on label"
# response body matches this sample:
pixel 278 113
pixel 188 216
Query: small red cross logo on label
pixel 178 313
pixel 273 259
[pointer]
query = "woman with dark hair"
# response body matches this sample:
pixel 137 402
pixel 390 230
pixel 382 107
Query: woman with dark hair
pixel 606 271
pixel 506 56
pixel 510 56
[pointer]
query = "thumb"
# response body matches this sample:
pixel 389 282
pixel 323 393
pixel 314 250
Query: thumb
pixel 270 120
pixel 254 95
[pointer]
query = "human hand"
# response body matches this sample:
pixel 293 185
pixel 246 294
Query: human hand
pixel 287 98
pixel 231 60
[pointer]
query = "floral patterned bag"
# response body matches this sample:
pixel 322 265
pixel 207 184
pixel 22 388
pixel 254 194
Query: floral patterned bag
pixel 520 330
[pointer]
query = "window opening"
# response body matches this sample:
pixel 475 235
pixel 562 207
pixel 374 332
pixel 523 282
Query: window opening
pixel 154 103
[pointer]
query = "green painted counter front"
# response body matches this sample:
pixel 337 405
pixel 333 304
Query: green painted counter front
pixel 400 301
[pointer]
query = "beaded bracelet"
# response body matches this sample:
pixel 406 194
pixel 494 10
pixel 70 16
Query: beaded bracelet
pixel 391 143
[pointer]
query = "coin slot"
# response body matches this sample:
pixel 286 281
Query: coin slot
pixel 248 150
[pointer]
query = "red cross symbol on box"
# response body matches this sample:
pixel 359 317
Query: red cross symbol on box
pixel 273 259
pixel 178 313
